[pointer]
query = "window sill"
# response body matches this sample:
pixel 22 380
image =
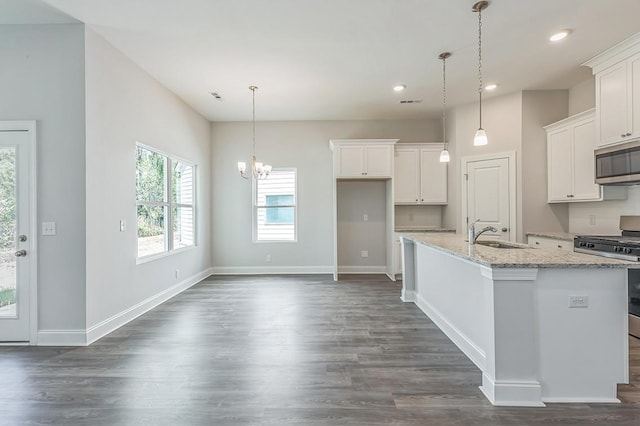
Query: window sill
pixel 153 257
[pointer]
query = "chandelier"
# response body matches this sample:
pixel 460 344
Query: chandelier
pixel 258 170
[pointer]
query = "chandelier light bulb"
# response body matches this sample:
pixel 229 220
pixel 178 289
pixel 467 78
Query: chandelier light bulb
pixel 242 166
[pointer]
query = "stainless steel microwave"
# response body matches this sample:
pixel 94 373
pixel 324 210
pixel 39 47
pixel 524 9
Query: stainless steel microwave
pixel 618 164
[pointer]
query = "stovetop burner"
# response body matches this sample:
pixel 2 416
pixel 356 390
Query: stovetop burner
pixel 625 246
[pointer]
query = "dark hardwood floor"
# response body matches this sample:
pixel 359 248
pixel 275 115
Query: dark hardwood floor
pixel 275 351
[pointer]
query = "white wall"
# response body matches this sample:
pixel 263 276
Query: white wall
pixel 418 216
pixel 42 78
pixel 301 144
pixel 125 105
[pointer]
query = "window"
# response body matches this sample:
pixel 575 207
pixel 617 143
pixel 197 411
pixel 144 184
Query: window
pixel 275 206
pixel 165 202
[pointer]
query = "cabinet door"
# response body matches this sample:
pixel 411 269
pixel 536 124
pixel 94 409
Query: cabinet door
pixel 584 141
pixel 559 163
pixel 612 104
pixel 405 176
pixel 634 71
pixel 433 178
pixel 351 161
pixel 378 161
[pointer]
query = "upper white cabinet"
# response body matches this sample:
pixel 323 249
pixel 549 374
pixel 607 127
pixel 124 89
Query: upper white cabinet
pixel 617 75
pixel 419 176
pixel 570 162
pixel 363 158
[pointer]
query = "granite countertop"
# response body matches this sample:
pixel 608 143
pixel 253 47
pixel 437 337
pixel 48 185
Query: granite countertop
pixel 525 257
pixel 566 236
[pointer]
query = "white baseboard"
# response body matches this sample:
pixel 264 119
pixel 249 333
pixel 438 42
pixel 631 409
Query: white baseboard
pixel 62 338
pixel 344 269
pixel 475 354
pixel 408 296
pixel 271 270
pixel 93 333
pixel 512 394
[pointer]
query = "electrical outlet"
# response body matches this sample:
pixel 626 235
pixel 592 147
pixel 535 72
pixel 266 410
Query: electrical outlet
pixel 48 228
pixel 364 253
pixel 365 217
pixel 122 225
pixel 268 258
pixel 578 301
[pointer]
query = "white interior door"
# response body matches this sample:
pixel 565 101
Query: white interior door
pixel 488 196
pixel 15 234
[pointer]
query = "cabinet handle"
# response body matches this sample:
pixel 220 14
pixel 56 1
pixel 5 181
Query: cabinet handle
pixel 559 246
pixel 628 134
pixel 622 135
pixel 537 243
pixel 416 200
pixel 569 196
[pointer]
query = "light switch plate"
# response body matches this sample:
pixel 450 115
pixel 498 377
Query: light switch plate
pixel 48 228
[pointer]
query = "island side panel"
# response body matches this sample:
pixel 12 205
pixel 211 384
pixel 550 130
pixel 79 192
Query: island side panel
pixel 449 290
pixel 408 270
pixel 583 351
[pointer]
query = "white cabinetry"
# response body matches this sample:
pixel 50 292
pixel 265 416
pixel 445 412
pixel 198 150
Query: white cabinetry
pixel 419 176
pixel 550 243
pixel 570 162
pixel 617 75
pixel 363 158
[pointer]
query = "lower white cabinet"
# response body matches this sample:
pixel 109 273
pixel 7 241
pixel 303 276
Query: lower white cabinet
pixel 550 243
pixel 397 247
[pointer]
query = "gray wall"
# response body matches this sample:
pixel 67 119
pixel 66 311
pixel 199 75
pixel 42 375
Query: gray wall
pixel 301 144
pixel 502 119
pixel 42 78
pixel 539 109
pixel 355 199
pixel 582 96
pixel 124 106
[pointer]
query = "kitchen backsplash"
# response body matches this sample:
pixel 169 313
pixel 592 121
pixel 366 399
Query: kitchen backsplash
pixel 602 218
pixel 418 216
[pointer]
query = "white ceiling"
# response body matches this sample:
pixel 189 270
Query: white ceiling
pixel 338 59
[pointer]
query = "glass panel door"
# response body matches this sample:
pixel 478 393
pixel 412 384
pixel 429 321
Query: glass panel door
pixel 8 227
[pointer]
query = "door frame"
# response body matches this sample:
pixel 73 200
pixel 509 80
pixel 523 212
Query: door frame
pixel 30 127
pixel 511 158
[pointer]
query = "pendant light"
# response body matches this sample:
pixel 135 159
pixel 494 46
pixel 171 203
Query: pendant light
pixel 444 155
pixel 481 136
pixel 258 169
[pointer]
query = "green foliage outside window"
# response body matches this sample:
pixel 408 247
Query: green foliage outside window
pixel 150 186
pixel 7 198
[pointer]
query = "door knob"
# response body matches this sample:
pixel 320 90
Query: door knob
pixel 21 253
pixel 22 238
pixel 505 229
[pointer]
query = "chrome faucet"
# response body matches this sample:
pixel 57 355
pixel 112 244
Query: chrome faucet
pixel 473 236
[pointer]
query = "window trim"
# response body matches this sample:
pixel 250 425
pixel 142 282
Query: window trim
pixel 254 203
pixel 169 204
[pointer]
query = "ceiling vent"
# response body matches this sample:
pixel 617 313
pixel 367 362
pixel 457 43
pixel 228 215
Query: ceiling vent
pixel 216 95
pixel 411 101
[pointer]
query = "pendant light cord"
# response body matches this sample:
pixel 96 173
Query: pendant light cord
pixel 253 89
pixel 480 60
pixel 444 101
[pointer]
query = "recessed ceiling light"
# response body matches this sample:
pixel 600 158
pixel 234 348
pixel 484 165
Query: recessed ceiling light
pixel 492 86
pixel 399 87
pixel 560 35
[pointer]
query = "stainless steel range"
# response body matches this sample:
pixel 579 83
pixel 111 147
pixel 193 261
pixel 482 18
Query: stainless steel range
pixel 625 246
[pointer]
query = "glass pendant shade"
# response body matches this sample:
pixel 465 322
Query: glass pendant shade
pixel 480 138
pixel 444 156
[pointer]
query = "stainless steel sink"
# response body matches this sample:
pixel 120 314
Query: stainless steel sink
pixel 500 244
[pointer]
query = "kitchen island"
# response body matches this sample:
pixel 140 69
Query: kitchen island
pixel 542 325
